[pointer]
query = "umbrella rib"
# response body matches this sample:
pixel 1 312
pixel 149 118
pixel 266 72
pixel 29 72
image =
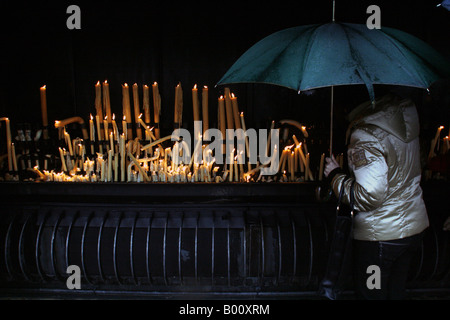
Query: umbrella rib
pixel 286 46
pixel 358 69
pixel 306 59
pixel 412 73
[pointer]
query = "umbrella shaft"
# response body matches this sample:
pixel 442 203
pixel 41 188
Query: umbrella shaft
pixel 331 121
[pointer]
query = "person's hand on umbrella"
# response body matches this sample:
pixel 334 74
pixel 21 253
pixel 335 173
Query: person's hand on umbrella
pixel 330 165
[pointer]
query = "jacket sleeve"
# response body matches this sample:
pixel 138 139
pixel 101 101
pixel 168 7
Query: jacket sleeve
pixel 370 172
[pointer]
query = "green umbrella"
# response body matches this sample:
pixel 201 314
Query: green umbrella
pixel 333 54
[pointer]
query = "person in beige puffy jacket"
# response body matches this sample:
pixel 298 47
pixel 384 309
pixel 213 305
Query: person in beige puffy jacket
pixel 384 164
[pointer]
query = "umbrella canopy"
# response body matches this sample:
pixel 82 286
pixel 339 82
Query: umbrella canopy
pixel 445 4
pixel 323 55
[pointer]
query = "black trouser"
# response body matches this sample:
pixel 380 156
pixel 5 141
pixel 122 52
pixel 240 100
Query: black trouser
pixel 393 259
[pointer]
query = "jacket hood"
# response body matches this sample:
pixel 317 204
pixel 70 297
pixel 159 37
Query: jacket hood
pixel 392 114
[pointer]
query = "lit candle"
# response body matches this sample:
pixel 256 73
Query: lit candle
pixel 63 161
pixel 43 91
pixel 98 100
pixel 122 156
pixel 105 127
pixel 146 104
pixel 146 128
pixel 234 103
pixel 138 166
pixel 305 133
pixel 284 158
pixel 236 171
pixel 124 126
pixel 241 164
pixel 229 108
pixel 154 143
pixel 205 111
pixel 136 110
pixel 434 142
pixel 115 129
pixel 8 144
pixel 68 142
pixel 230 176
pixel 195 105
pixel 106 101
pixel 222 119
pixel 91 128
pixel 126 109
pixel 291 166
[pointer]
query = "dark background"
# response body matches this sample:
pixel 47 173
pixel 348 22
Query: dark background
pixel 190 42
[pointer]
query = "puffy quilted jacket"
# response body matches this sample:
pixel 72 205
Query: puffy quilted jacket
pixel 384 161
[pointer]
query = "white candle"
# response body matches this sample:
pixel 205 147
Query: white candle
pixel 110 154
pixel 63 161
pixel 230 177
pixel 8 144
pixel 322 159
pixel 247 148
pixel 14 159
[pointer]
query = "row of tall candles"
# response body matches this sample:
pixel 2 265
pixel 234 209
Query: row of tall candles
pixel 124 160
pixel 119 157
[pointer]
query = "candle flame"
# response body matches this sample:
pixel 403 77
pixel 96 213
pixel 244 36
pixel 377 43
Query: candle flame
pixel 155 83
pixel 126 85
pixel 106 117
pixel 98 83
pixel 124 117
pixel 145 86
pixel 92 118
pixel 140 116
pixel 106 82
pixel 232 95
pixel 114 116
pixel 441 127
pixel 205 87
pixel 288 148
pixel 195 87
pixel 221 98
pixel 242 113
pixel 44 87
